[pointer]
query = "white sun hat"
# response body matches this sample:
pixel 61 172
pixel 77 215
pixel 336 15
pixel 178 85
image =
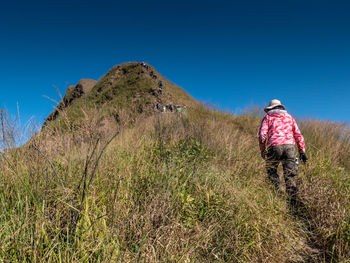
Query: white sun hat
pixel 274 103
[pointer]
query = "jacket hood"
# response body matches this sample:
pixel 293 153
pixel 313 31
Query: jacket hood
pixel 277 112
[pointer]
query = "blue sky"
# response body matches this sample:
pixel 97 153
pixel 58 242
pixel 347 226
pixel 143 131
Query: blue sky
pixel 230 53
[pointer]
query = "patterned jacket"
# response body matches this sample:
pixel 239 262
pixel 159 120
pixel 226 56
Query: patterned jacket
pixel 278 127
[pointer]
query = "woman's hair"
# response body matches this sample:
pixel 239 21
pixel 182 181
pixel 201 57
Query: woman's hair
pixel 276 108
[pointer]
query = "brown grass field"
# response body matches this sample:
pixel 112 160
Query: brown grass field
pixel 187 187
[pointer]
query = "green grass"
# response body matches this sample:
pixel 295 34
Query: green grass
pixel 172 188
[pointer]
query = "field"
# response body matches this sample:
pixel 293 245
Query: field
pixel 185 187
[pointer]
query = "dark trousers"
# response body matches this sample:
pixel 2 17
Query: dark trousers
pixel 285 154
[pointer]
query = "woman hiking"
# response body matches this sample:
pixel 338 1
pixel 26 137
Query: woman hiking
pixel 277 136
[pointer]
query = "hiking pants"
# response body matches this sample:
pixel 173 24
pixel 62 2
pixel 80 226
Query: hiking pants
pixel 286 154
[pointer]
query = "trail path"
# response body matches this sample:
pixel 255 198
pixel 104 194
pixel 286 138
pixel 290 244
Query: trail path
pixel 315 253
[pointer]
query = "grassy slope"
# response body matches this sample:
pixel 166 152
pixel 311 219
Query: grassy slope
pixel 174 188
pixel 125 87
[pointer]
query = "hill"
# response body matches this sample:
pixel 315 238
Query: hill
pixel 73 93
pixel 162 187
pixel 130 87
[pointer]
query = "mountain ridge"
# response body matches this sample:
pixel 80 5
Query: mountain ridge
pixel 132 86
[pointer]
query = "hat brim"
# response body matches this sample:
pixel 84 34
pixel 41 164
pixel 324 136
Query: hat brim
pixel 273 106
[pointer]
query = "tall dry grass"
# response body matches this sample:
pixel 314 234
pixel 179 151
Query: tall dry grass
pixel 171 188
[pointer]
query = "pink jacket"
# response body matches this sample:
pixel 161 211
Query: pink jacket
pixel 279 127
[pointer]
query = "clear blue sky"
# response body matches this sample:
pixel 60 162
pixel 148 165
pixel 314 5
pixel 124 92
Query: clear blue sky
pixel 230 53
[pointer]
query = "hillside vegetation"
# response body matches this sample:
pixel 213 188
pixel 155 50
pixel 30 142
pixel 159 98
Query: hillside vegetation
pixel 130 88
pixel 168 187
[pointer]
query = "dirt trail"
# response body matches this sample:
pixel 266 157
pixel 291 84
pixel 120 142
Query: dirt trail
pixel 315 253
